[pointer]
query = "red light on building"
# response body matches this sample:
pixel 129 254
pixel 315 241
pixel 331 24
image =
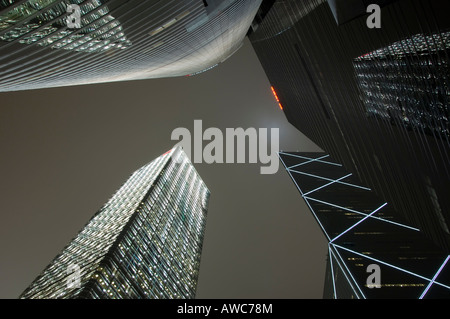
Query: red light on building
pixel 276 97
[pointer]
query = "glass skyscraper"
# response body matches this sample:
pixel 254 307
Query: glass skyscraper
pixel 145 242
pixel 376 100
pixel 41 44
pixel 366 236
pixel 406 90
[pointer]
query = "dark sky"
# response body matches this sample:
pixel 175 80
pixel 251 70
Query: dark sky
pixel 65 151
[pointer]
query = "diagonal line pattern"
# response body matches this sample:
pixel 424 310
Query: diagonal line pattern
pixel 312 159
pixel 362 220
pixel 332 272
pixel 333 247
pixel 307 203
pixel 335 252
pixel 396 267
pixel 329 179
pixel 434 278
pixel 381 262
pixel 307 162
pixel 364 214
pixel 328 184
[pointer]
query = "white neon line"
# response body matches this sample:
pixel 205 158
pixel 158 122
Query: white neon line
pixel 431 281
pixel 329 179
pixel 441 284
pixel 382 262
pixel 310 161
pixel 307 203
pixel 364 214
pixel 328 184
pixel 317 160
pixel 303 157
pixel 395 223
pixel 350 273
pixel 332 272
pixel 317 219
pixel 434 278
pixel 359 222
pixel 334 205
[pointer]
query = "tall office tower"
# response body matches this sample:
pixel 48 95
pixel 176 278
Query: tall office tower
pixel 406 90
pixel 51 43
pixel 373 253
pixel 375 99
pixel 145 242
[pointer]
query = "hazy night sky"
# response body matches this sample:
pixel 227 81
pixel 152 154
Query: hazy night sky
pixel 65 151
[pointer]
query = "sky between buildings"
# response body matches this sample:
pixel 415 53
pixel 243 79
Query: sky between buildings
pixel 65 151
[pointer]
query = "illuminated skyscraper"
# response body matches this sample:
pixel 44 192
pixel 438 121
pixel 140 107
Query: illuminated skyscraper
pixel 406 90
pixel 145 242
pixel 376 100
pixel 117 40
pixel 367 238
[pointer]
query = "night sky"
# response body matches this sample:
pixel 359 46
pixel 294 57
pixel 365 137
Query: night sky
pixel 65 151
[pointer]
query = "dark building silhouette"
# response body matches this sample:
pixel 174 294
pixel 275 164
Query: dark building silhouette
pixel 145 242
pixel 365 233
pixel 117 40
pixel 376 100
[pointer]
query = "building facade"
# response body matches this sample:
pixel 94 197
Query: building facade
pixel 375 99
pixel 407 91
pixel 145 242
pixel 373 252
pixel 51 43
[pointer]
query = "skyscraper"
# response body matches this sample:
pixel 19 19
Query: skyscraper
pixel 145 242
pixel 376 99
pixel 51 43
pixel 408 91
pixel 373 253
